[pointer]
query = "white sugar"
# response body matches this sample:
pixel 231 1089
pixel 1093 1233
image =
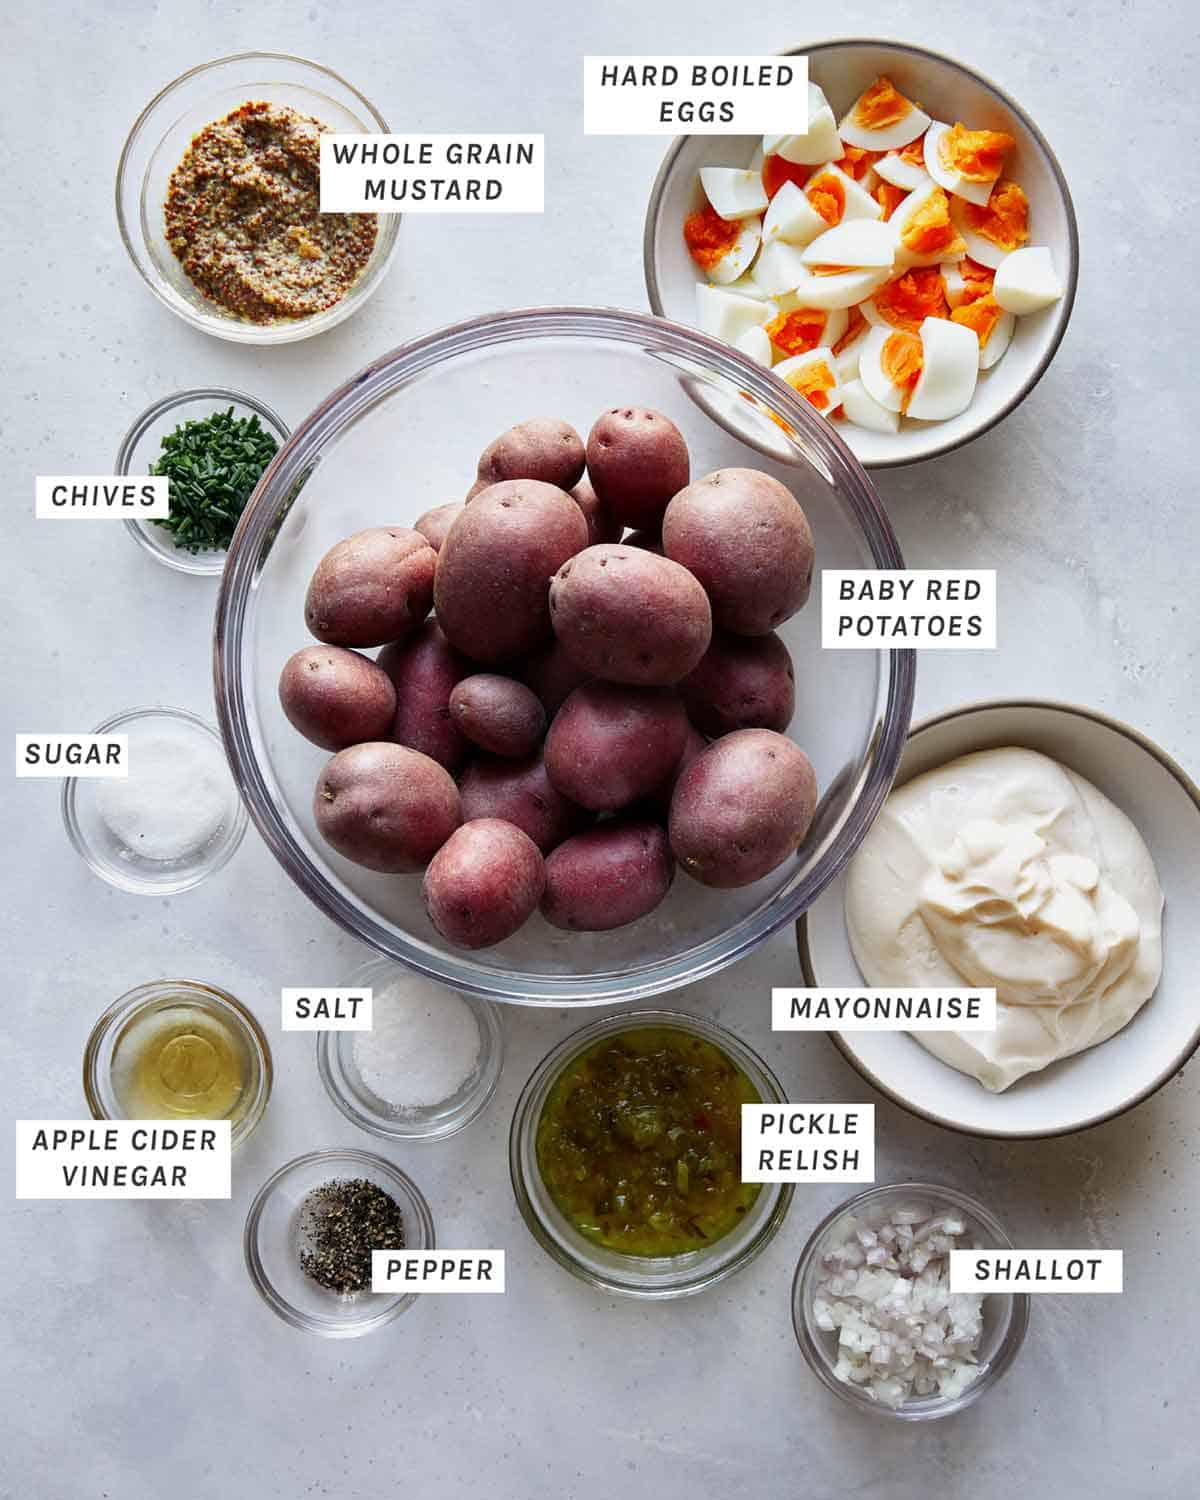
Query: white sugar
pixel 175 799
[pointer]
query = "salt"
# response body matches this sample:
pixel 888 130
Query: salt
pixel 174 801
pixel 423 1047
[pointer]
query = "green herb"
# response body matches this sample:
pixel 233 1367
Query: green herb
pixel 341 1222
pixel 213 465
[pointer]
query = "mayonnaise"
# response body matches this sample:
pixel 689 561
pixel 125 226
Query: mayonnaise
pixel 1004 869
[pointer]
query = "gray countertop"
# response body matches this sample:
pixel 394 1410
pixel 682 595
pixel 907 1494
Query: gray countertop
pixel 139 1362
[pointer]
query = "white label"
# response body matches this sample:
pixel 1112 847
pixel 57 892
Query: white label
pixel 101 497
pixel 1037 1270
pixel 123 1159
pixel 946 609
pixel 433 174
pixel 105 756
pixel 883 1010
pixel 698 95
pixel 437 1270
pixel 808 1143
pixel 317 1009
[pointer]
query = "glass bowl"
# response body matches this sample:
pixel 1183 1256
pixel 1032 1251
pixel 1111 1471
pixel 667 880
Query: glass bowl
pixel 344 1083
pixel 425 411
pixel 272 1244
pixel 156 144
pixel 107 855
pixel 127 1021
pixel 650 1277
pixel 1005 1315
pixel 142 445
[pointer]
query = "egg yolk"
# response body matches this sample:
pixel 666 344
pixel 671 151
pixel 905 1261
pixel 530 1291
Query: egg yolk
pixel 889 197
pixel 709 237
pixel 981 316
pixel 914 152
pixel 1004 219
pixel 813 382
pixel 977 279
pixel 907 300
pixel 882 105
pixel 929 227
pixel 902 359
pixel 976 155
pixel 776 171
pixel 828 197
pixel 798 331
pixel 857 161
pixel 854 326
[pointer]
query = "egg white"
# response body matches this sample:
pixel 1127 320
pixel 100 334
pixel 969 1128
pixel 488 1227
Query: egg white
pixel 946 384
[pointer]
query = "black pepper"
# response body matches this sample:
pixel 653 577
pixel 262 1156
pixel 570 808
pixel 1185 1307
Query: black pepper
pixel 340 1224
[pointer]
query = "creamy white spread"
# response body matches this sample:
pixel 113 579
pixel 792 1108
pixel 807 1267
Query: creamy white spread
pixel 1006 870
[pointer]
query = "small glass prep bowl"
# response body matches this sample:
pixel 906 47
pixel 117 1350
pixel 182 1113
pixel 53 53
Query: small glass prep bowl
pixel 344 1083
pixel 127 1017
pixel 156 144
pixel 650 1277
pixel 1005 1315
pixel 403 435
pixel 142 445
pixel 272 1243
pixel 104 853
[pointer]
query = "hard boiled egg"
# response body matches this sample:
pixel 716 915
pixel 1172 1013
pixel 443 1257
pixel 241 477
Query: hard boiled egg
pixel 757 345
pixel 779 268
pixel 836 289
pixel 1026 281
pixel 728 315
pixel 925 233
pixel 861 408
pixel 813 376
pixel 854 244
pixel 992 326
pixel 965 280
pixel 882 119
pixel 796 329
pixel 733 192
pixel 792 217
pixel 900 173
pixel 889 366
pixel 940 169
pixel 836 196
pixel 949 370
pixel 739 257
pixel 992 231
pixel 848 349
pixel 819 142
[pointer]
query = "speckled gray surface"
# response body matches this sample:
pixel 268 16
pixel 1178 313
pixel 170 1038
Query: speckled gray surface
pixel 138 1362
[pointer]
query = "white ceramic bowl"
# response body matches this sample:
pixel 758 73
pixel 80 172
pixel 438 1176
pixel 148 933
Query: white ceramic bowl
pixel 947 90
pixel 1164 804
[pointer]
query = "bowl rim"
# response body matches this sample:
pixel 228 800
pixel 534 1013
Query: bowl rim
pixel 393 1304
pixel 331 1069
pixel 198 991
pixel 287 330
pixel 815 437
pixel 1065 306
pixel 187 562
pixel 238 823
pixel 1019 1303
pixel 1175 770
pixel 524 1125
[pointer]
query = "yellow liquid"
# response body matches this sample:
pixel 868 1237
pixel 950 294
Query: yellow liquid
pixel 181 1062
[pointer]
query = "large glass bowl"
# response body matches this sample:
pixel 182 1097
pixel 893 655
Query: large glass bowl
pixel 402 436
